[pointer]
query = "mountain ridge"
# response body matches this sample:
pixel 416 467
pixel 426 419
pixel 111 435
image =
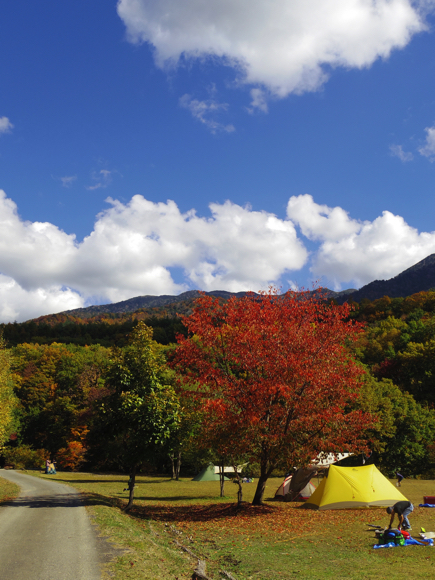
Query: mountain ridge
pixel 150 301
pixel 419 277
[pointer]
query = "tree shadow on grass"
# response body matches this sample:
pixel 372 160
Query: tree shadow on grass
pixel 170 498
pixel 199 513
pixel 108 480
pixel 73 481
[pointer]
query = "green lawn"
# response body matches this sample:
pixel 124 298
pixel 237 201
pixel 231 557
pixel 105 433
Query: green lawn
pixel 276 541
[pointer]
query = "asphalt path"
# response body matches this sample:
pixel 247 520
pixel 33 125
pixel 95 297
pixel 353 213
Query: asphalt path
pixel 46 533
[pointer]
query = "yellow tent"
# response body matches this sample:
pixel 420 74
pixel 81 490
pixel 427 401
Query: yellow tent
pixel 354 487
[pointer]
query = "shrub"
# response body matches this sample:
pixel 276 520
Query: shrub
pixel 24 457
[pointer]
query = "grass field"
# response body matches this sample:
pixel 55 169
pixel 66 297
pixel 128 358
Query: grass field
pixel 8 490
pixel 276 541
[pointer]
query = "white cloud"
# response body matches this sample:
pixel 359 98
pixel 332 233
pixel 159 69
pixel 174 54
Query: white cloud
pixel 429 148
pixel 205 112
pixel 286 46
pixel 358 252
pixel 19 304
pixel 397 151
pixel 102 179
pixel 68 180
pixel 320 222
pixel 132 250
pixel 259 101
pixel 5 125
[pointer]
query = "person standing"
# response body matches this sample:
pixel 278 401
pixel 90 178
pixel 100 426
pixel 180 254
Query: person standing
pixel 399 478
pixel 402 509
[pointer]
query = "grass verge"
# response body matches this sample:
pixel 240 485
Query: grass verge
pixel 8 490
pixel 272 542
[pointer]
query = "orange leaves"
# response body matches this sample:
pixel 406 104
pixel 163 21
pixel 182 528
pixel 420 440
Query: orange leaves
pixel 274 374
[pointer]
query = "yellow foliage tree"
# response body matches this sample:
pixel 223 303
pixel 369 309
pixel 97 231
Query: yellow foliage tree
pixel 8 400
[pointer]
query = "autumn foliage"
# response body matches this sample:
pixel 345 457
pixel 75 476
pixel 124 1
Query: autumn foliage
pixel 275 378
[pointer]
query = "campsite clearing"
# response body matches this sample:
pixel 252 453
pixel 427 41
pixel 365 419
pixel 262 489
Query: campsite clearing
pixel 270 542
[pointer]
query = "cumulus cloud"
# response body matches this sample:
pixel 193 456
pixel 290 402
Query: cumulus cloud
pixel 5 125
pixel 131 252
pixel 286 46
pixel 205 112
pixel 135 247
pixel 429 148
pixel 397 151
pixel 352 251
pixel 20 304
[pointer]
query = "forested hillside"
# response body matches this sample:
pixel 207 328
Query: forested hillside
pixel 60 368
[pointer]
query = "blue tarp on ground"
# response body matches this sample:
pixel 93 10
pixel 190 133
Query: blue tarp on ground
pixel 410 542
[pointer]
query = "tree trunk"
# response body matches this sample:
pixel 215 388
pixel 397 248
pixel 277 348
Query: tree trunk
pixel 178 466
pixel 131 483
pixel 266 470
pixel 222 477
pixel 172 457
pixel 240 490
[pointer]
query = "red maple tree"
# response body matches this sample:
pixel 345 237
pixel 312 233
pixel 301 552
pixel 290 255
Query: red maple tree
pixel 274 372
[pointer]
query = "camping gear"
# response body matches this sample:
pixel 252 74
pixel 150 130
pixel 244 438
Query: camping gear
pixel 426 505
pixel 208 474
pixel 354 487
pixel 284 487
pixel 429 499
pixel 427 535
pixel 392 535
pixel 410 542
pixel 297 486
pixel 303 495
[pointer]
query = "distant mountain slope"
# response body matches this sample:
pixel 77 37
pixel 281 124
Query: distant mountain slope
pixel 155 305
pixel 141 302
pixel 417 278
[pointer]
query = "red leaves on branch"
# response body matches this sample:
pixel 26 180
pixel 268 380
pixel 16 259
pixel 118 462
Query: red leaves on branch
pixel 275 373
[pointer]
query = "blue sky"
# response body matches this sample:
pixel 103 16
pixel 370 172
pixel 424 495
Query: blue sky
pixel 154 146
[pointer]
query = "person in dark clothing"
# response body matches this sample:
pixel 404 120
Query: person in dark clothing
pixel 399 478
pixel 402 509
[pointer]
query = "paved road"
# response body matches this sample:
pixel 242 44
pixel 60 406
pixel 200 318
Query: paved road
pixel 46 534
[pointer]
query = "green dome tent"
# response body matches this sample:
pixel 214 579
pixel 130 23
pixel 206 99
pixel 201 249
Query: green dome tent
pixel 208 474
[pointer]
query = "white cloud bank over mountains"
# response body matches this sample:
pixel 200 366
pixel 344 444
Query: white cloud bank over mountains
pixel 134 247
pixel 282 46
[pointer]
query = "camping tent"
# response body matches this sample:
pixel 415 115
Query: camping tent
pixel 354 487
pixel 284 487
pixel 297 486
pixel 303 495
pixel 208 474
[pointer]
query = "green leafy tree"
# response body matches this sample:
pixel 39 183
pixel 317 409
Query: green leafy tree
pixel 417 369
pixel 141 412
pixel 402 431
